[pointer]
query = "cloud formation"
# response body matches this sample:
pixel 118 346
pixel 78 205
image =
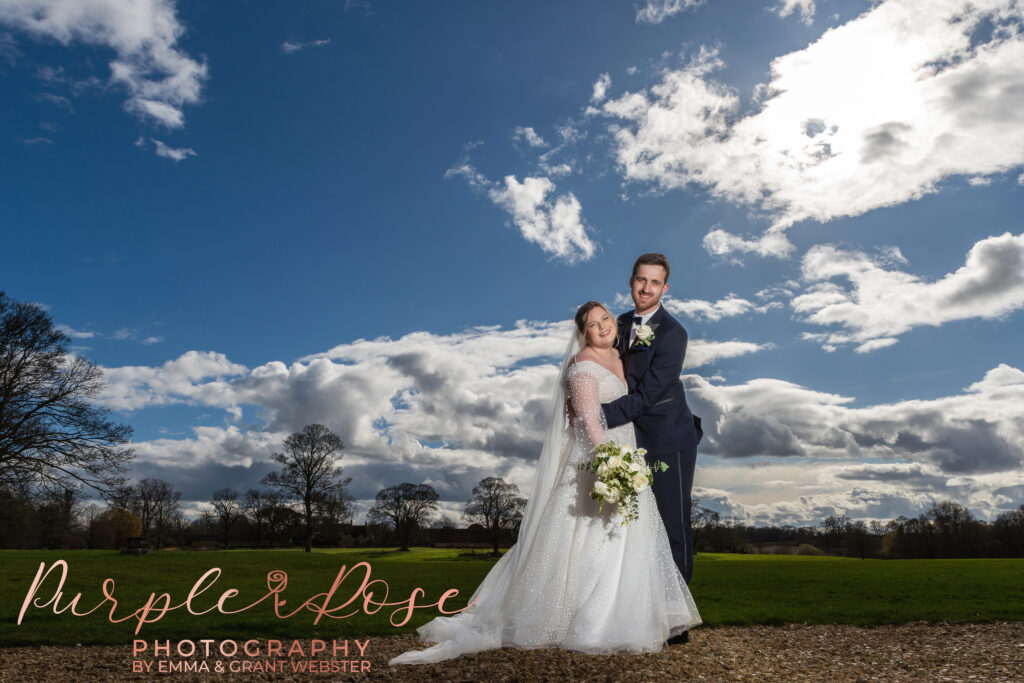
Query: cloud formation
pixel 160 78
pixel 714 311
pixel 291 47
pixel 455 408
pixel 172 153
pixel 601 86
pixel 528 135
pixel 554 223
pixel 875 302
pixel 657 11
pixel 838 130
pixel 788 7
pixel 976 432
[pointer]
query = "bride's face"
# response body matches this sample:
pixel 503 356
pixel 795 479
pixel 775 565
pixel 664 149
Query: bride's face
pixel 600 328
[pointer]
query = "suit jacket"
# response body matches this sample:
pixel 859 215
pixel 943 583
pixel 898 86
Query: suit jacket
pixel 656 402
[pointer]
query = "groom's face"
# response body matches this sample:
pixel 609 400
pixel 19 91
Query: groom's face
pixel 647 286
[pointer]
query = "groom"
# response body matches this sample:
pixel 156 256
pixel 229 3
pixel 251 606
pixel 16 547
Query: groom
pixel 652 345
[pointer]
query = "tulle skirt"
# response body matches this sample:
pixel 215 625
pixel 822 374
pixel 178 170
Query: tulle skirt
pixel 584 583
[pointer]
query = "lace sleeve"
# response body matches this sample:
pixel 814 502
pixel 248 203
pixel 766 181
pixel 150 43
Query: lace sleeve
pixel 584 394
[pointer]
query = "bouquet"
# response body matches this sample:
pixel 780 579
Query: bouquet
pixel 622 473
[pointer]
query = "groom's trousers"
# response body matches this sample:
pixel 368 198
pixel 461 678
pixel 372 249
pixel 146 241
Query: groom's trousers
pixel 672 491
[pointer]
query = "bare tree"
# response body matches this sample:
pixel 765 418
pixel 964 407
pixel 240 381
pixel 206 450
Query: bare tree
pixel 954 523
pixel 280 517
pixel 1008 530
pixel 51 431
pixel 259 508
pixel 56 515
pixel 163 504
pixel 497 507
pixel 404 508
pixel 310 470
pixel 703 520
pixel 444 522
pixel 332 510
pixel 833 528
pixel 226 509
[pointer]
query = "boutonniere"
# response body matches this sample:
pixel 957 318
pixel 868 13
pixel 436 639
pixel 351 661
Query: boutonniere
pixel 644 337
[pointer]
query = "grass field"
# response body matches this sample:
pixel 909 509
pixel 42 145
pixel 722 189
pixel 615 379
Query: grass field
pixel 729 590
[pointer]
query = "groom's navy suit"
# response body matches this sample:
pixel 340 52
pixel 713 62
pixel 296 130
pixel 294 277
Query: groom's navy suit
pixel 665 427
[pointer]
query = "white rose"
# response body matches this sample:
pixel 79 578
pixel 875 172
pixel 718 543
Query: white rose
pixel 639 482
pixel 603 469
pixel 615 462
pixel 612 496
pixel 635 466
pixel 601 489
pixel 644 332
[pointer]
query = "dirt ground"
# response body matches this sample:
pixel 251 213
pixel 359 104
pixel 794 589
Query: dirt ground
pixel 908 652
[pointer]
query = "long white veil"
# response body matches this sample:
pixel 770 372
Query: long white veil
pixel 556 439
pixel 481 626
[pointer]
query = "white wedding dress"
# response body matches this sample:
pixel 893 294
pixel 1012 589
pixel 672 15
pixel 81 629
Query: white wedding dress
pixel 576 579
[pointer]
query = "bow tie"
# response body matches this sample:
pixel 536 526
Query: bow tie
pixel 637 320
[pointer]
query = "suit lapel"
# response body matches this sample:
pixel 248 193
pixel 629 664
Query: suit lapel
pixel 637 361
pixel 623 346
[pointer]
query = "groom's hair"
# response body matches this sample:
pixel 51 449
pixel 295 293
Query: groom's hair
pixel 652 259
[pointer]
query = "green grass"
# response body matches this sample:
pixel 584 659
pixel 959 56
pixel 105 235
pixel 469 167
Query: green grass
pixel 729 590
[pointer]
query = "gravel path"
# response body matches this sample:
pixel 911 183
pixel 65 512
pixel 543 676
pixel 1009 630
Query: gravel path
pixel 909 652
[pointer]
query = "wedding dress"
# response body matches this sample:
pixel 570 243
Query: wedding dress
pixel 576 579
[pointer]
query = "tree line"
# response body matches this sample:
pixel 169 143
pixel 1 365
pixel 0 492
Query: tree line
pixel 151 513
pixel 945 529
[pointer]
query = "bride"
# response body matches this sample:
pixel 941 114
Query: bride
pixel 577 578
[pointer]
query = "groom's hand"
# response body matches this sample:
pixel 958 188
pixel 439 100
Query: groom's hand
pixel 570 412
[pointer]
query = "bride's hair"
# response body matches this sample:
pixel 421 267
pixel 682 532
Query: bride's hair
pixel 581 317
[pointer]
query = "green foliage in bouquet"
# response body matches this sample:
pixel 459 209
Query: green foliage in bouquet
pixel 622 473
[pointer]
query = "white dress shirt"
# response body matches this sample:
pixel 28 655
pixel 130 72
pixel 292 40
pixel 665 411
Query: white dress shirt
pixel 644 319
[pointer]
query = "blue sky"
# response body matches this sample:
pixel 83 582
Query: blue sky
pixel 379 216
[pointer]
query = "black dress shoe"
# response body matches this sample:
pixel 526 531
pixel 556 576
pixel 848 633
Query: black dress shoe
pixel 680 639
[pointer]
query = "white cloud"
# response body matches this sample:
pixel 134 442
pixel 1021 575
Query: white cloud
pixel 173 153
pixel 159 77
pixel 464 168
pixel 719 242
pixel 529 135
pixel 56 100
pixel 601 86
pixel 713 311
pixel 227 446
pixel 291 47
pixel 458 407
pixel 881 302
pixel 700 352
pixel 194 377
pixel 454 407
pixel 875 113
pixel 977 432
pixel 656 11
pixel 556 226
pixel 9 51
pixel 76 334
pixel 788 7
